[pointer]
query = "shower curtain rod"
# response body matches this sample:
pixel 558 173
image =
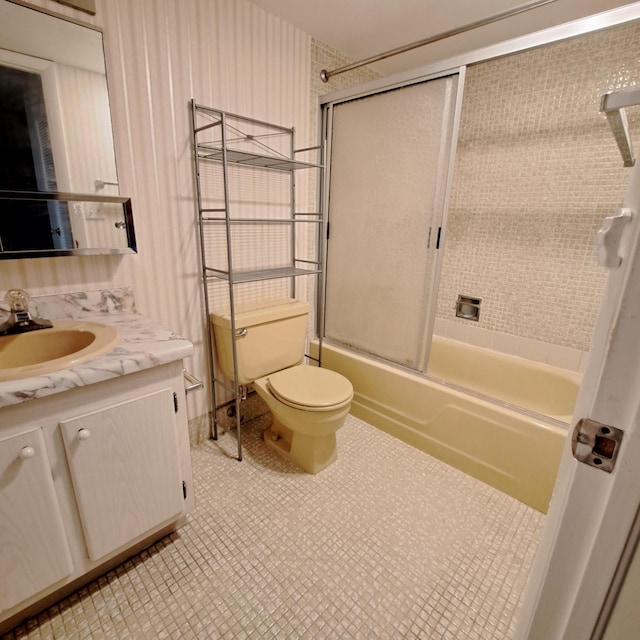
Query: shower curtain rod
pixel 325 74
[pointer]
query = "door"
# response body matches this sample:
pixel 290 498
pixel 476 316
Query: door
pixel 125 470
pixel 33 546
pixel 577 571
pixel 390 156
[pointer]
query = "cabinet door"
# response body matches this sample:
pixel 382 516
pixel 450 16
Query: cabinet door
pixel 33 546
pixel 125 470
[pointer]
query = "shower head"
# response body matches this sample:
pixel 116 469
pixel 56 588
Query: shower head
pixel 613 106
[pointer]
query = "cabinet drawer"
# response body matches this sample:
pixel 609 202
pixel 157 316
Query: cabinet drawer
pixel 125 470
pixel 33 546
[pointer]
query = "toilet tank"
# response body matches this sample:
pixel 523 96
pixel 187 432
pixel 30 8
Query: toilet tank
pixel 274 339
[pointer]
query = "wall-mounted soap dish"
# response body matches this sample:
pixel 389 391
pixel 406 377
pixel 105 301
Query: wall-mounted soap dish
pixel 468 308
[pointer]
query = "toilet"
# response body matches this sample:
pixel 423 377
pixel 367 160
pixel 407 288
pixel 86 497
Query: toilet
pixel 308 404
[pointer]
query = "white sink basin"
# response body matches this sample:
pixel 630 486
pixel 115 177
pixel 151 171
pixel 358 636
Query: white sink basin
pixel 66 344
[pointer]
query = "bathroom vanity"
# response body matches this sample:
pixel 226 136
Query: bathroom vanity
pixel 94 459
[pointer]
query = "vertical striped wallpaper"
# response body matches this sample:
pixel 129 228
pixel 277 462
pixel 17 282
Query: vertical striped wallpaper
pixel 161 53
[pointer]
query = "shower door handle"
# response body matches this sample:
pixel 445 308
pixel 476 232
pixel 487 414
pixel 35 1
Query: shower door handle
pixel 609 236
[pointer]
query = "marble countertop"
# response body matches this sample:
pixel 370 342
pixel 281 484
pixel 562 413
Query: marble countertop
pixel 143 343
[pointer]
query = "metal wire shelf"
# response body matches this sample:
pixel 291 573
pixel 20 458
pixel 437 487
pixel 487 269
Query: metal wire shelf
pixel 238 277
pixel 212 152
pixel 230 139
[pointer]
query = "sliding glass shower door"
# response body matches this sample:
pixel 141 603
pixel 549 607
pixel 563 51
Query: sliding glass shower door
pixel 389 157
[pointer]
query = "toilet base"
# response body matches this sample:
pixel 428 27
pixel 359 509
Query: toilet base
pixel 311 453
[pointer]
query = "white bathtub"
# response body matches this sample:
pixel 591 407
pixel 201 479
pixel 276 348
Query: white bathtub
pixel 516 451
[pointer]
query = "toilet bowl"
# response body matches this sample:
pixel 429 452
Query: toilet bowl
pixel 308 405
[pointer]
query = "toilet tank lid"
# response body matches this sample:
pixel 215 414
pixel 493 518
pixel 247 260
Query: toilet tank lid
pixel 310 386
pixel 254 313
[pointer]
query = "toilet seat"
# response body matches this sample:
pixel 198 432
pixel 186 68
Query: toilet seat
pixel 310 388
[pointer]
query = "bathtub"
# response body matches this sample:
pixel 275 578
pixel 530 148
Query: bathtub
pixel 499 418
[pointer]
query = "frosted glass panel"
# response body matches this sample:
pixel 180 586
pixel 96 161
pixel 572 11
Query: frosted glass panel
pixel 389 160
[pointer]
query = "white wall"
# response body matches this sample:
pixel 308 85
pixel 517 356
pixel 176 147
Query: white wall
pixel 160 53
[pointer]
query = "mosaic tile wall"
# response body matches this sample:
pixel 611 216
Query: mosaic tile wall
pixel 537 169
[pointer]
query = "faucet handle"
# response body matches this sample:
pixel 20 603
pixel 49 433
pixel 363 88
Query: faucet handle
pixel 20 319
pixel 18 300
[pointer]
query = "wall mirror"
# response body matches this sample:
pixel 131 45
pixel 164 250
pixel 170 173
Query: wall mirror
pixel 58 182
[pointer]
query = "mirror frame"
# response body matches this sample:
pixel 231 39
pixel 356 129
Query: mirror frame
pixel 125 203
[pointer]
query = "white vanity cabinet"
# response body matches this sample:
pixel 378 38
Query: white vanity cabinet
pixel 34 553
pixel 87 478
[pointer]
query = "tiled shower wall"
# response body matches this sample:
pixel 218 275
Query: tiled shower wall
pixel 536 171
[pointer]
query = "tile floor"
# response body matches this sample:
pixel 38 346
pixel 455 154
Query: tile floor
pixel 386 543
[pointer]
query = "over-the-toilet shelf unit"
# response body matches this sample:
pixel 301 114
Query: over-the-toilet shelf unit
pixel 250 230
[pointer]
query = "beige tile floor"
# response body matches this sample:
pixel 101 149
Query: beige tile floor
pixel 386 543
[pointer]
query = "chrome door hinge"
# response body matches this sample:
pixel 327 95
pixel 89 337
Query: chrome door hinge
pixel 596 444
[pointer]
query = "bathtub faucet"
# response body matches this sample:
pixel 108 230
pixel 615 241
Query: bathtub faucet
pixel 20 320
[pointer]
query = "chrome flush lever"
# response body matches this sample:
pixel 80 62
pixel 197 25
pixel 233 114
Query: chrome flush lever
pixel 608 238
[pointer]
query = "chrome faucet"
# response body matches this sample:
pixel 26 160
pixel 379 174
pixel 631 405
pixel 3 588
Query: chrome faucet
pixel 20 320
